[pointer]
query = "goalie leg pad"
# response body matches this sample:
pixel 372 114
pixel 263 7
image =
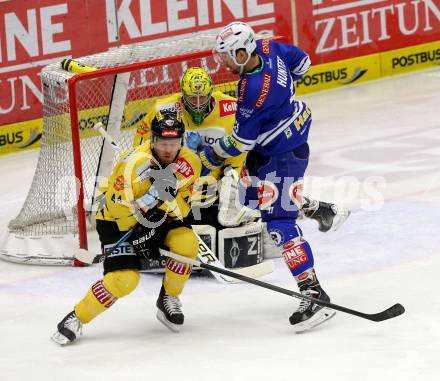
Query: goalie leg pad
pixel 105 292
pixel 297 252
pixel 182 241
pixel 240 247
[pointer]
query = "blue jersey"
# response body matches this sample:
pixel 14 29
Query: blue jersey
pixel 269 119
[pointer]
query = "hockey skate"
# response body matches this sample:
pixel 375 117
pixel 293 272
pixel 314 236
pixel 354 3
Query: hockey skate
pixel 68 330
pixel 329 216
pixel 169 311
pixel 309 314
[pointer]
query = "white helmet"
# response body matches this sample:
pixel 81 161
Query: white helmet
pixel 234 36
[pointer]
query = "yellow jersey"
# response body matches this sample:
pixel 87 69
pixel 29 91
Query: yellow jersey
pixel 218 123
pixel 129 181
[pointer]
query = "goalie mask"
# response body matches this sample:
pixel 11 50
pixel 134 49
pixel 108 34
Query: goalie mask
pixel 196 93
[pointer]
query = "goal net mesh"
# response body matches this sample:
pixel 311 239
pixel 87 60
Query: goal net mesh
pixel 50 208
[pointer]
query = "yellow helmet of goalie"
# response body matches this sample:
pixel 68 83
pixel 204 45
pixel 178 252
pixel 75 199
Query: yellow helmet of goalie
pixel 197 88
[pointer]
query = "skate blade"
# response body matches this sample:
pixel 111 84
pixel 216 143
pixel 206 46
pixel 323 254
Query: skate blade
pixel 320 317
pixel 171 326
pixel 339 219
pixel 60 339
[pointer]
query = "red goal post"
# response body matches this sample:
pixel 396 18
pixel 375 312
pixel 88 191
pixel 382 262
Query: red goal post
pixel 225 84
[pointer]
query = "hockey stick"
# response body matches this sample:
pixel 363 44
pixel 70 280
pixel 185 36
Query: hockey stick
pixel 389 313
pixel 88 258
pixel 100 128
pixel 205 255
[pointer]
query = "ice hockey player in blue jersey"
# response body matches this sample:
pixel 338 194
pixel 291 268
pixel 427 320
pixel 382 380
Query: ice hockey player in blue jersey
pixel 273 127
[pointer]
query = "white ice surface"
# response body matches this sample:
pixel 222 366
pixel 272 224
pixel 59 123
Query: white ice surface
pixel 376 149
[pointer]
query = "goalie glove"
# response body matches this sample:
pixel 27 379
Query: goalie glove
pixel 231 212
pixel 193 141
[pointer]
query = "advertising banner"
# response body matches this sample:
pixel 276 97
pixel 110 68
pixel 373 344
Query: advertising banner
pixel 409 59
pixel 34 33
pixel 332 30
pixel 142 20
pixel 340 73
pixel 345 35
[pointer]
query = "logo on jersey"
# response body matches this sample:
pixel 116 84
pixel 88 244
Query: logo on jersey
pixel 296 193
pixel 245 112
pixel 277 236
pixel 265 87
pixel 267 194
pixel 241 90
pixel 184 168
pixel 302 119
pixel 119 183
pixel 265 46
pixel 227 107
pixel 143 128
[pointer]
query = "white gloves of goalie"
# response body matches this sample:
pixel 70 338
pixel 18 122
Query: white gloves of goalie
pixel 231 212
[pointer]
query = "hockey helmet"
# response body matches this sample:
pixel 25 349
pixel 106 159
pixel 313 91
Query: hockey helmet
pixel 197 88
pixel 167 125
pixel 234 36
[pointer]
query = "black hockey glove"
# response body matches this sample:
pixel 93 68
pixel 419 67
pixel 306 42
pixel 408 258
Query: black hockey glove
pixel 149 233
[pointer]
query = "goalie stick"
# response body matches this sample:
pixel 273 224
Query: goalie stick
pixel 389 313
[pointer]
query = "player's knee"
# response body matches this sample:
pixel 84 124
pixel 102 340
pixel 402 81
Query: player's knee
pixel 121 282
pixel 283 230
pixel 183 241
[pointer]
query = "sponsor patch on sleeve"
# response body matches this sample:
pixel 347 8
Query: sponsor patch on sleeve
pixel 184 168
pixel 143 128
pixel 227 107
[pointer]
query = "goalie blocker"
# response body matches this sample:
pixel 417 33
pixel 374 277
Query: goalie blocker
pixel 237 247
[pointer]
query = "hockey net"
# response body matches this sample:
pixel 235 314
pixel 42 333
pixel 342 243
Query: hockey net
pixel 56 218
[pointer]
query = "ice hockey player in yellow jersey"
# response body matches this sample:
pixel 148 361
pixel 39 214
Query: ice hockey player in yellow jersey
pixel 209 115
pixel 148 194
